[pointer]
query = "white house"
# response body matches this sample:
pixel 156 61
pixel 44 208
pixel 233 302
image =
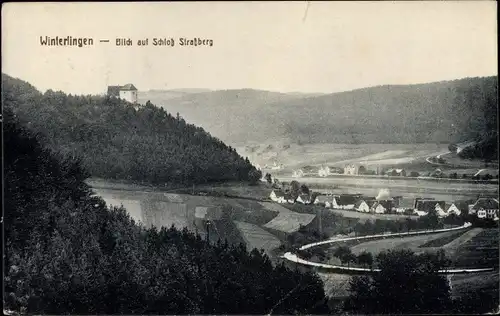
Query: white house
pixel 381 207
pixel 404 205
pixel 485 208
pixel 278 196
pixel 351 170
pixel 364 205
pixel 277 166
pixel 345 201
pixel 298 173
pixel 324 200
pixel 324 171
pixel 304 199
pixel 127 92
pixel 425 206
pixel 453 209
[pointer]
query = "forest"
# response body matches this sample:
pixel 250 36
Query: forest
pixel 117 141
pixel 67 253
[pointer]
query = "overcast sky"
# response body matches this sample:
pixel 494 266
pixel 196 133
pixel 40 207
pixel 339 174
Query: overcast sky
pixel 285 46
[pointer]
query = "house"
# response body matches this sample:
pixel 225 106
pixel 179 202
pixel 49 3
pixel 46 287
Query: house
pixel 345 201
pixel 404 206
pixel 289 198
pixel 336 170
pixel 127 92
pixel 298 173
pixel 277 196
pixel 436 173
pixel 425 206
pixel 277 166
pixel 453 209
pixel 485 208
pixel 397 200
pixel 323 200
pixel 350 170
pixel 382 206
pixel 364 205
pixel 304 199
pixel 324 171
pixel 396 172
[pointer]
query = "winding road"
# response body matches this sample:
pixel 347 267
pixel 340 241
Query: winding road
pixel 294 258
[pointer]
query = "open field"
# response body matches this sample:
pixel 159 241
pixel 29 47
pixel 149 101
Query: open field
pixel 409 188
pixel 256 237
pixel 363 217
pixel 476 247
pixel 339 154
pixel 290 222
pixel 411 242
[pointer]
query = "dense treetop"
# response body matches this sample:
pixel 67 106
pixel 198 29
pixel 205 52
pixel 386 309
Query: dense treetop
pixel 116 141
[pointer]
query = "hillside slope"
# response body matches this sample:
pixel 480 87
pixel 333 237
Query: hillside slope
pixel 116 141
pixel 66 252
pixel 448 111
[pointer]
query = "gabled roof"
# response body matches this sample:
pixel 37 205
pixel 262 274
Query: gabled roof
pixel 346 199
pixel 429 205
pixel 462 205
pixel 358 203
pixel 114 91
pixel 323 198
pixel 387 204
pixel 129 87
pixel 305 197
pixel 486 203
pixel 279 193
pixel 406 203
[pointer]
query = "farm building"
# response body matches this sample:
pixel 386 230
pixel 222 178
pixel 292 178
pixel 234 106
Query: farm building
pixel 127 92
pixel 324 200
pixel 485 208
pixel 345 201
pixel 364 205
pixel 351 170
pixel 278 196
pixel 304 199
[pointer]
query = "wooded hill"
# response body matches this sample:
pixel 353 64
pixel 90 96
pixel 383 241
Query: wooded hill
pixel 67 253
pixel 443 112
pixel 115 141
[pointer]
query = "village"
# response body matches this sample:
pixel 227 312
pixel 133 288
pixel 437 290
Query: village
pixel 482 208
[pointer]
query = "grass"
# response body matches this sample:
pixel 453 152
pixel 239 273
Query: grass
pixel 256 237
pixel 289 222
pixel 439 242
pixel 368 216
pixel 480 251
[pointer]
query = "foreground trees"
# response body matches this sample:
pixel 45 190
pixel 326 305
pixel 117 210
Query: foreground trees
pixel 407 284
pixel 67 253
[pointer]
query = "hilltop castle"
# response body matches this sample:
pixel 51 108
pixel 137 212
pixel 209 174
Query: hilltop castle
pixel 127 92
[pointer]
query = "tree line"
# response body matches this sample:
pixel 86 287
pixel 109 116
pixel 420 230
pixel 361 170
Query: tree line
pixel 116 141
